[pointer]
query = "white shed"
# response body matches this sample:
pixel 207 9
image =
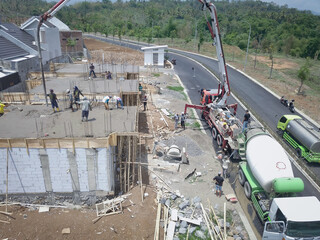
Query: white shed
pixel 154 56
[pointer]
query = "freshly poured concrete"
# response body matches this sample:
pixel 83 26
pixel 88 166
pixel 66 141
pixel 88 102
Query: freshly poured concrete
pixel 37 121
pixel 96 85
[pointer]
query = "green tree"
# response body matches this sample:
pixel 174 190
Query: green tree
pixel 201 40
pixel 304 74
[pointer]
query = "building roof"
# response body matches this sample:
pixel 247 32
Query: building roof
pixel 33 19
pixel 19 34
pixel 299 209
pixel 59 24
pixel 154 47
pixel 9 50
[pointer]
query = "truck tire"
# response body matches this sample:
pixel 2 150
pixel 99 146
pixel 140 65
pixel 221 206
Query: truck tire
pixel 247 190
pixel 242 178
pixel 299 153
pixel 202 116
pixel 214 133
pixel 219 140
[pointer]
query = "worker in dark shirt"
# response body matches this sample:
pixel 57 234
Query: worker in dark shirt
pixel 54 100
pixel 246 120
pixel 219 181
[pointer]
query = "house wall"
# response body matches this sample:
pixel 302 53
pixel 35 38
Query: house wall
pixel 57 170
pixel 76 50
pixel 148 57
pixel 51 45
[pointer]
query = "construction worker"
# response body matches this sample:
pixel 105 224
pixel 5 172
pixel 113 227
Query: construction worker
pixel 105 100
pixel 109 75
pixel 176 120
pixel 225 166
pixel 85 108
pixel 246 120
pixel 218 181
pixel 183 118
pixel 76 95
pixel 70 98
pixel 1 108
pixel 145 101
pixel 119 101
pixel 92 71
pixel 54 100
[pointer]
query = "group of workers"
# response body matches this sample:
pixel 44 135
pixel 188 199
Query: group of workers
pixel 182 120
pixel 106 100
pixel 92 72
pixel 74 99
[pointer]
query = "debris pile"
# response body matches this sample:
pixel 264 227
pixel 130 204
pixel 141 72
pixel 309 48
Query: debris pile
pixel 182 217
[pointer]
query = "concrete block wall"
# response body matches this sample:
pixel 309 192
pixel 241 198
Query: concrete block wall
pixel 54 170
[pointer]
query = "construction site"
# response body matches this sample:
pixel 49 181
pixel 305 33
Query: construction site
pixel 108 177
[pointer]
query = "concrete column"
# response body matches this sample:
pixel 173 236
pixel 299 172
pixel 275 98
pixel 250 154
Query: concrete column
pixel 44 160
pixel 91 155
pixel 74 176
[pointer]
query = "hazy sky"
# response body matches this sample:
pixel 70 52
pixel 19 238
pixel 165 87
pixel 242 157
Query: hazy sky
pixel 313 5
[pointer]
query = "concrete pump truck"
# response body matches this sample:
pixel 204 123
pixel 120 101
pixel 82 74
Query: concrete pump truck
pixel 265 170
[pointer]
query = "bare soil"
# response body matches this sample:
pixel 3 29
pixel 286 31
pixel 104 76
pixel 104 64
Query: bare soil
pixel 113 53
pixel 136 222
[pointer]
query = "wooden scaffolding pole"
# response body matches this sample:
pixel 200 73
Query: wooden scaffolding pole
pixel 129 160
pixel 7 180
pixel 120 161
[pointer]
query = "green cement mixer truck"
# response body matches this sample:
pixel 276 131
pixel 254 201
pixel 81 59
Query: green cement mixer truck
pixel 301 136
pixel 268 180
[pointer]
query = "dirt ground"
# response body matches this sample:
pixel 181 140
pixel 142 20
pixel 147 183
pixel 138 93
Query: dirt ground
pixel 136 222
pixel 113 53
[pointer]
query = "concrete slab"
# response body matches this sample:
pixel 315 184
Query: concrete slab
pixel 83 68
pixel 35 121
pixel 96 85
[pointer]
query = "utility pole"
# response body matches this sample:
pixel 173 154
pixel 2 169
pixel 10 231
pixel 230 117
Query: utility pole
pixel 195 37
pixel 245 63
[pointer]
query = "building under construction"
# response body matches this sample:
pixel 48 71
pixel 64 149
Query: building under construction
pixel 49 154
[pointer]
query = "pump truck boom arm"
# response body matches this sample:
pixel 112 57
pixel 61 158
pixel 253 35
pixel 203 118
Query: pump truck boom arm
pixel 43 18
pixel 53 10
pixel 213 26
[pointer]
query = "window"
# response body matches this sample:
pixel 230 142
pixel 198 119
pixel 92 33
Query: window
pixel 275 227
pixel 283 119
pixel 42 36
pixel 280 216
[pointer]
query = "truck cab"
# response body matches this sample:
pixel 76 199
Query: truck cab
pixel 293 218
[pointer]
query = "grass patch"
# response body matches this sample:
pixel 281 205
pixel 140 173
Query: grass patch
pixel 195 125
pixel 156 74
pixel 180 90
pixel 176 88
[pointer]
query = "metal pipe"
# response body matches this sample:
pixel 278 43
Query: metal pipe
pixel 40 59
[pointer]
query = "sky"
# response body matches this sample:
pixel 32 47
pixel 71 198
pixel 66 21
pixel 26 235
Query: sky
pixel 312 5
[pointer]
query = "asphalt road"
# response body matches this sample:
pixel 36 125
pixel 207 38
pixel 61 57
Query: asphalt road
pixel 257 99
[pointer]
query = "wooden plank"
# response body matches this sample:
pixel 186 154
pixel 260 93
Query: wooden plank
pixel 156 230
pixel 206 220
pixel 193 221
pixel 174 215
pixel 170 230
